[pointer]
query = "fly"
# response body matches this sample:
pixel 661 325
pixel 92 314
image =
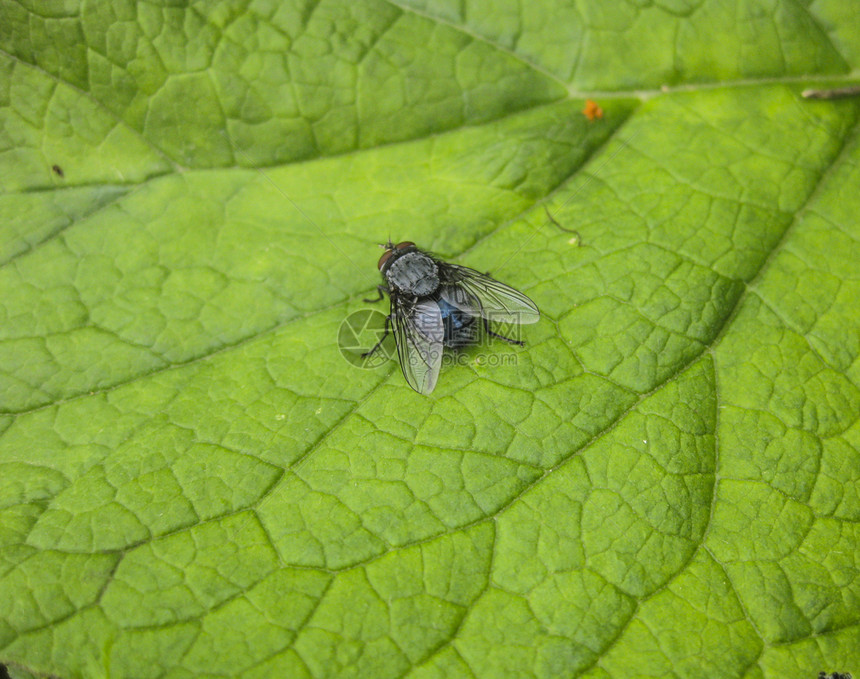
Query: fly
pixel 435 304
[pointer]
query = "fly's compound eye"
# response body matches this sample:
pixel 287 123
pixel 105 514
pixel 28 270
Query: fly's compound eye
pixel 399 249
pixel 384 259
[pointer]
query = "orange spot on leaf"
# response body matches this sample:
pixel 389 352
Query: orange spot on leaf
pixel 592 110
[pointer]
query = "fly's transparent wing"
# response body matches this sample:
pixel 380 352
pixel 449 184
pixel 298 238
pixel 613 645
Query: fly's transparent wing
pixel 419 332
pixel 481 295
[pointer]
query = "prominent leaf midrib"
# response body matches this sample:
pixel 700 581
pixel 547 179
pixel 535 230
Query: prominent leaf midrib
pixel 639 93
pixel 477 37
pixel 635 93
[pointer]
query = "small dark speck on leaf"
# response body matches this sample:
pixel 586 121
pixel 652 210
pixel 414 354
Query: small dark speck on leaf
pixel 58 170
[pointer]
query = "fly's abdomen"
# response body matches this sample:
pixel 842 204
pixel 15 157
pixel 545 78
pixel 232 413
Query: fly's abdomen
pixel 459 325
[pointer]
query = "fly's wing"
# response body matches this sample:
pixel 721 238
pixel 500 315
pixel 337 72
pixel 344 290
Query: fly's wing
pixel 481 295
pixel 418 331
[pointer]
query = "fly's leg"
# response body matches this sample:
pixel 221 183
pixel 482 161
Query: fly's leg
pixel 379 289
pixel 502 337
pixel 382 339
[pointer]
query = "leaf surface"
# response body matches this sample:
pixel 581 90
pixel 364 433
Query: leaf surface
pixel 663 482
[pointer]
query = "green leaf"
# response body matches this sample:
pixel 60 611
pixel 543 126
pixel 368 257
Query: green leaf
pixel 663 482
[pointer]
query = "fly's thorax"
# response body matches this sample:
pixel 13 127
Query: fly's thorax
pixel 413 273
